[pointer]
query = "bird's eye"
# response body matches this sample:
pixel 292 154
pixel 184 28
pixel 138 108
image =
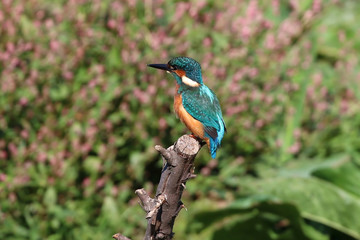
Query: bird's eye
pixel 173 68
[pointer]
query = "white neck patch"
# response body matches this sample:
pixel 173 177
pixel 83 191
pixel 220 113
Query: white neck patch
pixel 189 82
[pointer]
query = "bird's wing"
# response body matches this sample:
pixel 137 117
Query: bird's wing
pixel 204 106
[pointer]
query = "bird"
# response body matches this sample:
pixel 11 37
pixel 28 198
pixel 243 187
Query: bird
pixel 194 103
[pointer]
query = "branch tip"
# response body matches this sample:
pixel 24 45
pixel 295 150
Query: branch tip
pixel 156 205
pixel 143 195
pixel 166 155
pixel 184 207
pixel 119 236
pixel 192 176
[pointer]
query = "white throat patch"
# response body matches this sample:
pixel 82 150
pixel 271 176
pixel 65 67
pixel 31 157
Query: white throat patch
pixel 189 82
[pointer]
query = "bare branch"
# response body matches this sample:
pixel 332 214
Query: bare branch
pixel 146 202
pixel 162 210
pixel 118 236
pixel 178 168
pixel 166 154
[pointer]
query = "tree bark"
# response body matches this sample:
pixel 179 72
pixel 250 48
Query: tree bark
pixel 178 167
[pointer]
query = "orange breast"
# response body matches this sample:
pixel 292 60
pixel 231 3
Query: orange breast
pixel 191 123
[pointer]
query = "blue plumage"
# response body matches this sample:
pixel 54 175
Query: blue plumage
pixel 197 99
pixel 202 104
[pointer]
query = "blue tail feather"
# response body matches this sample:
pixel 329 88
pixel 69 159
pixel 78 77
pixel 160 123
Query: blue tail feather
pixel 215 143
pixel 213 147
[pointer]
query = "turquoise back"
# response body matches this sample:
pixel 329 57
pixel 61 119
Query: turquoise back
pixel 202 104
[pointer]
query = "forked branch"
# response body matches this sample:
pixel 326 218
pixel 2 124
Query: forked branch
pixel 162 210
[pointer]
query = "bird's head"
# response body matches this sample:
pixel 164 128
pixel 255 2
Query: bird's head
pixel 185 70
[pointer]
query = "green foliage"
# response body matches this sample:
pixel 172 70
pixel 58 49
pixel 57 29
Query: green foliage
pixel 322 194
pixel 263 219
pixel 80 114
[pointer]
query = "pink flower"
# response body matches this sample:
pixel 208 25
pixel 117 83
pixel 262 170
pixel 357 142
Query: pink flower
pixel 114 191
pixel 245 32
pixel 344 106
pixel 9 27
pixel 49 23
pixel 132 3
pixel 310 91
pixel 316 7
pixel 181 8
pixel 253 72
pixel 267 24
pixel 270 42
pixel 295 5
pixel 269 99
pixel 41 157
pixel 10 47
pixel 205 171
pixel 100 182
pixel 1 16
pixel 142 96
pixel 13 149
pixel 24 134
pixel 297 133
pixel 2 177
pixel 85 148
pixel 92 83
pixel 321 106
pixel 151 90
pixel 111 24
pixel 252 11
pixel 341 36
pixel 237 109
pixel 3 154
pixel 108 125
pixel 159 12
pixel 317 78
pixel 259 123
pixel 295 148
pixel 86 182
pixel 40 14
pixel 276 6
pixel 207 42
pixel 12 197
pixel 162 123
pixel 68 75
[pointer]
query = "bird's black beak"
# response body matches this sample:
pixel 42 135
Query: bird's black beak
pixel 164 67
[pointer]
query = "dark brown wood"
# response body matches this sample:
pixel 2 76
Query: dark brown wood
pixel 119 236
pixel 178 167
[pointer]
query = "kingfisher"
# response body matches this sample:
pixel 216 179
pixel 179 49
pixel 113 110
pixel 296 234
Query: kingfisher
pixel 194 103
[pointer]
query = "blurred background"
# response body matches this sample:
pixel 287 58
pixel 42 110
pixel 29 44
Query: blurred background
pixel 80 114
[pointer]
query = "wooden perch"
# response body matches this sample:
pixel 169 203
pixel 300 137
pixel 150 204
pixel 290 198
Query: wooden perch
pixel 162 210
pixel 118 236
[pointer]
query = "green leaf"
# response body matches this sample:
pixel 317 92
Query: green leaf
pixel 110 210
pixel 293 120
pixel 60 92
pixel 114 58
pixel 92 164
pixel 303 167
pixel 50 197
pixel 29 31
pixel 346 177
pixel 317 200
pixel 256 217
pixel 137 164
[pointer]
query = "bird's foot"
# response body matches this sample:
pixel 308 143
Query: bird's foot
pixel 201 141
pixel 195 137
